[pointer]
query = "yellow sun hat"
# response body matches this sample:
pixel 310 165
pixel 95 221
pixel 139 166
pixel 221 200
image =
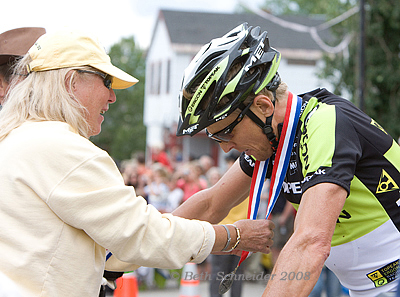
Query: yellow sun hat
pixel 64 49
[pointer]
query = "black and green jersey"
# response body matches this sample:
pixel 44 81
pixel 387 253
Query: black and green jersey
pixel 337 143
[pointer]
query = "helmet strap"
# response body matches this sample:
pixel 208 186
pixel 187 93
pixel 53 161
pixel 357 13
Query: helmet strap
pixel 265 127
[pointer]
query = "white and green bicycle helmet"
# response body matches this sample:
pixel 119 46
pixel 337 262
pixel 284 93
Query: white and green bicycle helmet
pixel 243 48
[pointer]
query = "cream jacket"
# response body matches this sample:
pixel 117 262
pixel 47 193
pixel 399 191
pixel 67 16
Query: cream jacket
pixel 63 202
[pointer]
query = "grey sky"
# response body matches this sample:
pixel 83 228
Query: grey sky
pixel 109 20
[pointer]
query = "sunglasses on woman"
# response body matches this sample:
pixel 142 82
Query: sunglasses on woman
pixel 107 79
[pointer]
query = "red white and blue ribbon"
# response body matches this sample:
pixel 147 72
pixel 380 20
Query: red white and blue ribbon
pixel 257 182
pixel 284 150
pixel 281 162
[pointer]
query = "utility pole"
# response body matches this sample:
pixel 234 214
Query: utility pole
pixel 362 55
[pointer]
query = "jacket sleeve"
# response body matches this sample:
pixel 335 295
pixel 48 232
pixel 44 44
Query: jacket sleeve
pixel 93 197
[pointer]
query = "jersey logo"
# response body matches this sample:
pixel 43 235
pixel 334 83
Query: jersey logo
pixel 373 123
pixel 343 215
pixel 385 274
pixel 386 183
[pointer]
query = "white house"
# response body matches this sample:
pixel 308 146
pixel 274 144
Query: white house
pixel 177 37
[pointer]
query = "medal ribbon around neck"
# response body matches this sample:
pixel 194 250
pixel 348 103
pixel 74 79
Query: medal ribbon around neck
pixel 282 158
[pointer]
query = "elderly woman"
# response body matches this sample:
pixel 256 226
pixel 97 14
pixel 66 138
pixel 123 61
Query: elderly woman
pixel 63 202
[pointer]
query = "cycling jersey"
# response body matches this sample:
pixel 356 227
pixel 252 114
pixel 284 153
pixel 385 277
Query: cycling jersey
pixel 337 143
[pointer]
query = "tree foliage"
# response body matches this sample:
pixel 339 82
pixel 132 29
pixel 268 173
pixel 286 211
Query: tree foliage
pixel 382 53
pixel 382 99
pixel 123 132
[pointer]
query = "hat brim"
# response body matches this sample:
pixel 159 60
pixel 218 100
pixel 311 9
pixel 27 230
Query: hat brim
pixel 121 79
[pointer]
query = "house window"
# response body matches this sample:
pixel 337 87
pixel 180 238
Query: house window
pixel 168 78
pixel 152 79
pixel 155 78
pixel 159 74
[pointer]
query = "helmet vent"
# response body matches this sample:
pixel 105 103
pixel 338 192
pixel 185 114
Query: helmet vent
pixel 211 60
pixel 206 100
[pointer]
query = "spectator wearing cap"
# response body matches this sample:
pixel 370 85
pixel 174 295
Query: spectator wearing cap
pixel 13 45
pixel 63 204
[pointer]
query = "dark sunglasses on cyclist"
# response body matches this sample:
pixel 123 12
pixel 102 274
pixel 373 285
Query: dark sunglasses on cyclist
pixel 225 135
pixel 107 79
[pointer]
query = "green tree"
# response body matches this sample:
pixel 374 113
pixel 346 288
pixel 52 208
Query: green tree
pixel 123 132
pixel 382 53
pixel 382 64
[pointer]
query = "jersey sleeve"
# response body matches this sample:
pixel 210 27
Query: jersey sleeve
pixel 329 147
pixel 247 163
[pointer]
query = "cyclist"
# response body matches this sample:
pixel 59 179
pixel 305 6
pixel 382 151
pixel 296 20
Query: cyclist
pixel 342 171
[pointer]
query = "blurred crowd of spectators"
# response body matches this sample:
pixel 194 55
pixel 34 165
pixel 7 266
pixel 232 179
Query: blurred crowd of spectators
pixel 166 184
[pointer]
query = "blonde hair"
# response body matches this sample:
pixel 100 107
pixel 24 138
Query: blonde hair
pixel 280 92
pixel 42 96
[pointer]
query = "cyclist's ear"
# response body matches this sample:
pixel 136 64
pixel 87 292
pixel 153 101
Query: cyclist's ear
pixel 262 105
